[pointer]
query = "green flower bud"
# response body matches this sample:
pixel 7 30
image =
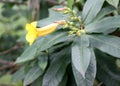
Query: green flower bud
pixel 78 33
pixel 83 31
pixel 74 28
pixel 70 32
pixel 66 12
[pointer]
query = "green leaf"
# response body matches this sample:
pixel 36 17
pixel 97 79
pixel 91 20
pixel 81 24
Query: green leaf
pixel 106 43
pixel 53 16
pixel 81 54
pixel 32 75
pixel 38 82
pixel 107 71
pixel 113 2
pixel 90 73
pixel 19 75
pixel 64 81
pixel 104 11
pixel 91 9
pixel 70 3
pixel 27 55
pixel 57 68
pixel 104 24
pixel 52 39
pixel 43 61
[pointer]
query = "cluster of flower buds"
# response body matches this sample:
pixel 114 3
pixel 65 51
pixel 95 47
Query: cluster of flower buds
pixel 74 22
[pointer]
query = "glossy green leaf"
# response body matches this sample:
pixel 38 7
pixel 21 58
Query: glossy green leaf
pixel 57 68
pixel 113 2
pixel 81 54
pixel 104 11
pixel 18 75
pixel 70 3
pixel 38 81
pixel 43 61
pixel 89 75
pixel 108 72
pixel 27 55
pixel 106 43
pixel 104 24
pixel 91 9
pixel 64 81
pixel 32 75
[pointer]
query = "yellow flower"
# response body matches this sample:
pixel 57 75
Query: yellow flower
pixel 34 32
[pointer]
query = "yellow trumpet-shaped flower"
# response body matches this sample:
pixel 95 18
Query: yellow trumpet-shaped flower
pixel 34 32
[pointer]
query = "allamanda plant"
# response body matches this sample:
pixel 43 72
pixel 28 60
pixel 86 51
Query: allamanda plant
pixel 64 47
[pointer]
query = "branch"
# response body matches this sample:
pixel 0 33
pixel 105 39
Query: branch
pixel 6 62
pixel 15 47
pixel 12 2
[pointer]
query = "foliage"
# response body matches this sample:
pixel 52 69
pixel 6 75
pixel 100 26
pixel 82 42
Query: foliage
pixel 84 51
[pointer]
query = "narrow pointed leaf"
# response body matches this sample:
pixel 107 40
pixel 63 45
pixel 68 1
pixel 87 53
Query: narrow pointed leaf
pixel 91 9
pixel 81 54
pixel 105 11
pixel 27 55
pixel 104 24
pixel 89 75
pixel 107 44
pixel 32 75
pixel 56 71
pixel 18 75
pixel 43 61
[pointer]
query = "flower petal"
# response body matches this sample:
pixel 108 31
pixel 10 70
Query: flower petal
pixel 47 29
pixel 34 24
pixel 30 37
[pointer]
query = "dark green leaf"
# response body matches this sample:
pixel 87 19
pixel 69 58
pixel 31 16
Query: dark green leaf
pixel 106 43
pixel 91 9
pixel 19 75
pixel 113 2
pixel 81 54
pixel 27 55
pixel 104 24
pixel 105 11
pixel 64 81
pixel 56 71
pixel 107 72
pixel 38 82
pixel 32 75
pixel 43 61
pixel 89 75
